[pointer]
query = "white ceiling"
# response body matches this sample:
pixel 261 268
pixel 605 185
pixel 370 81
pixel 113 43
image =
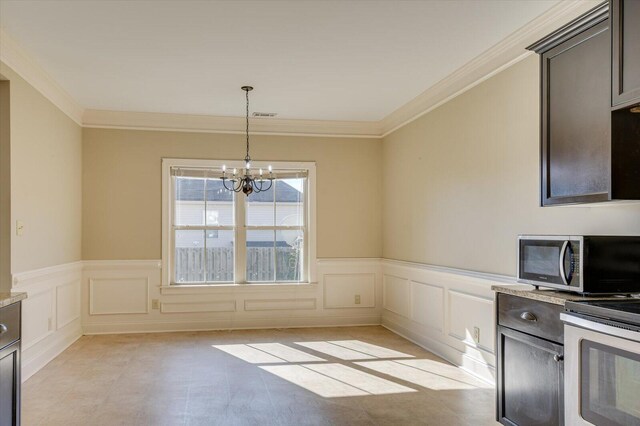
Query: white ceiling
pixel 322 60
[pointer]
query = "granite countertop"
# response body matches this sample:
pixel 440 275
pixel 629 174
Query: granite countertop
pixel 9 298
pixel 549 295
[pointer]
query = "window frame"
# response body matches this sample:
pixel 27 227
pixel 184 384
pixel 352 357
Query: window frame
pixel 240 227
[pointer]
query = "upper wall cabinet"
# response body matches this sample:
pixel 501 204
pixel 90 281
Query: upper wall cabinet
pixel 584 159
pixel 625 32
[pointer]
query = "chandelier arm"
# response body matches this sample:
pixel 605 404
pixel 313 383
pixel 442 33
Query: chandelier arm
pixel 224 183
pixel 268 187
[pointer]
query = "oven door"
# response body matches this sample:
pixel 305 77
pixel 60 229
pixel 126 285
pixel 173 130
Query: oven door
pixel 602 374
pixel 551 261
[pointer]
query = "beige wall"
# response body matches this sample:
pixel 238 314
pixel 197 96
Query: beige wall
pixel 45 179
pixel 122 187
pixel 5 188
pixel 461 182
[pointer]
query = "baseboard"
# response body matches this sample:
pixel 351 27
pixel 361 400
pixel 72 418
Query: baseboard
pixel 229 324
pixel 46 351
pixel 481 370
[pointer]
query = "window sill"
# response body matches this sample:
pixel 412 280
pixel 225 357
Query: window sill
pixel 234 288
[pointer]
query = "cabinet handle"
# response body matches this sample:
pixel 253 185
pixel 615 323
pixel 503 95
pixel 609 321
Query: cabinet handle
pixel 558 358
pixel 528 316
pixel 3 328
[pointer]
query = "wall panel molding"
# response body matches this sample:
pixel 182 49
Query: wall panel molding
pixel 341 290
pixel 119 295
pixel 445 306
pixel 50 313
pixel 185 307
pixel 279 304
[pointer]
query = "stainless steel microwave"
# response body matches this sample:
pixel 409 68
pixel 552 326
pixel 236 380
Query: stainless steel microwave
pixel 583 264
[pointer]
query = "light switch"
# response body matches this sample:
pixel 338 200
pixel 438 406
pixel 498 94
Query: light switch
pixel 19 228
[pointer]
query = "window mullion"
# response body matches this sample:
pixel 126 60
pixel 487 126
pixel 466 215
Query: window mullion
pixel 275 234
pixel 240 258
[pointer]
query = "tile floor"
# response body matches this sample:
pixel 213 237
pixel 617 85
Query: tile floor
pixel 315 376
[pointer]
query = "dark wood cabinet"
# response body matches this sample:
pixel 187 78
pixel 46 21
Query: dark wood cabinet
pixel 10 385
pixel 625 33
pixel 588 153
pixel 530 377
pixel 10 365
pixel 530 367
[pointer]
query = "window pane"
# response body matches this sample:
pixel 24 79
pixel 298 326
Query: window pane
pixel 289 202
pixel 219 256
pixel 289 246
pixel 189 207
pixel 261 208
pixel 219 204
pixel 189 256
pixel 260 256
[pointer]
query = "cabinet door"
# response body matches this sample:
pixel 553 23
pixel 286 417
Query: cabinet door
pixel 576 119
pixel 530 380
pixel 625 32
pixel 10 385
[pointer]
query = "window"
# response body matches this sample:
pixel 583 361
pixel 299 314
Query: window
pixel 215 236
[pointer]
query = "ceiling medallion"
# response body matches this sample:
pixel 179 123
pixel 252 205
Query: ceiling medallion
pixel 246 182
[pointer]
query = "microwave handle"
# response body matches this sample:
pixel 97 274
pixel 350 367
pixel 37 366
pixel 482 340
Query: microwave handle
pixel 563 251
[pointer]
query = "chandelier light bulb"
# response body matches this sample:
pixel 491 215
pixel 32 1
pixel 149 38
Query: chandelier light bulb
pixel 234 171
pixel 224 168
pixel 269 168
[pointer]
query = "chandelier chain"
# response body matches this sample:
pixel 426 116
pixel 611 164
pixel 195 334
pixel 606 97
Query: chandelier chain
pixel 247 158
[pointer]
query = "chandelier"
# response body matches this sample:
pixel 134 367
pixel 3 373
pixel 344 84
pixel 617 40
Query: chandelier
pixel 246 182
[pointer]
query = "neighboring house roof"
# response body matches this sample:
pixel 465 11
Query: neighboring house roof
pixel 189 189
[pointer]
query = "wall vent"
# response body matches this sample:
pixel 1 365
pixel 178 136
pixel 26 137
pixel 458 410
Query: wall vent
pixel 264 114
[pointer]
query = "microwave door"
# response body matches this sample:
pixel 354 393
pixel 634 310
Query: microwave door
pixel 545 262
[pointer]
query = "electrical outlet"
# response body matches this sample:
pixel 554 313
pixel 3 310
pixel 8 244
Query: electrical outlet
pixel 476 334
pixel 19 228
pixel 155 304
pixel 357 301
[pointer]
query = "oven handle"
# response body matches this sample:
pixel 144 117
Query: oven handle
pixel 563 251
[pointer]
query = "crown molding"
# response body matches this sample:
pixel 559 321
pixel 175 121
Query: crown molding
pixel 15 57
pixel 216 124
pixel 497 58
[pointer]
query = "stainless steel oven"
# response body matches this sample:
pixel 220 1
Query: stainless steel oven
pixel 602 368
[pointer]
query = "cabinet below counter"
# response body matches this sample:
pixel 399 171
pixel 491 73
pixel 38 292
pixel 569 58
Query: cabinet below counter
pixel 10 335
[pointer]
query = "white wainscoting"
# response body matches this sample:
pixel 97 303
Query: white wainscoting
pixel 118 297
pixel 50 314
pixel 438 308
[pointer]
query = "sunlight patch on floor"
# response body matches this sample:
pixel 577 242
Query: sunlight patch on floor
pixel 249 354
pixel 285 352
pixel 313 381
pixel 335 351
pixel 370 349
pixel 335 380
pixel 445 370
pixel 415 375
pixel 359 379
